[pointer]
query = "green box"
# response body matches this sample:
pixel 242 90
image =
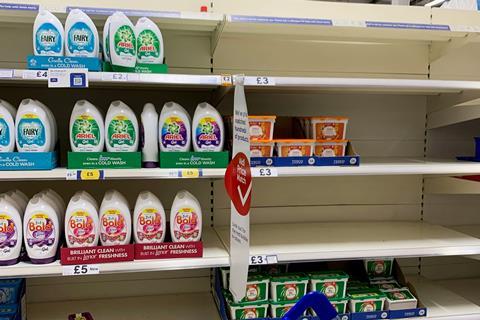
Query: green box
pixel 139 68
pixel 333 284
pixel 194 159
pixel 288 286
pixel 104 160
pixel 379 267
pixel 366 301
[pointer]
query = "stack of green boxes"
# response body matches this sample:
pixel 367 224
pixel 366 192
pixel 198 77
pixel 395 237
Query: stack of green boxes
pixel 333 284
pixel 285 290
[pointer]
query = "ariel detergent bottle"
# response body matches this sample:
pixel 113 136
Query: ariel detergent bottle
pixel 207 129
pixel 81 35
pixel 121 128
pixel 149 42
pixel 86 128
pixel 123 44
pixel 7 126
pixel 174 128
pixel 48 35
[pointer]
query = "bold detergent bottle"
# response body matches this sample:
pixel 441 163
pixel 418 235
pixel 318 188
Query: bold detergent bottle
pixel 174 128
pixel 11 230
pixel 48 35
pixel 149 42
pixel 20 198
pixel 7 126
pixel 115 220
pixel 149 220
pixel 207 129
pixel 122 41
pixel 185 218
pixel 87 132
pixel 34 131
pixel 149 136
pixel 81 35
pixel 82 226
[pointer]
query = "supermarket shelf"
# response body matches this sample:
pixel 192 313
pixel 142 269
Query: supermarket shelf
pixel 467 111
pixel 180 306
pixel 445 301
pixel 355 240
pixel 451 185
pixel 214 255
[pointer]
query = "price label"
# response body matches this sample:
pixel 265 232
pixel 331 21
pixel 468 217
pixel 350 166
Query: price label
pixel 189 173
pixel 263 259
pixel 80 270
pixel 114 76
pixel 87 174
pixel 6 73
pixel 226 80
pixel 264 172
pixel 35 74
pixel 265 81
pixel 67 78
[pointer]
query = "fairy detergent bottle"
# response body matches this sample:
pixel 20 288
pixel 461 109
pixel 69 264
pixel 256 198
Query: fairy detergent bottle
pixel 174 128
pixel 149 42
pixel 121 128
pixel 81 221
pixel 86 128
pixel 34 130
pixel 207 129
pixel 185 218
pixel 115 220
pixel 122 41
pixel 11 230
pixel 81 35
pixel 149 220
pixel 41 229
pixel 7 126
pixel 48 35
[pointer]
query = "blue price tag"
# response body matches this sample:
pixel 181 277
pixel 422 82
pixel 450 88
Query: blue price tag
pixel 78 80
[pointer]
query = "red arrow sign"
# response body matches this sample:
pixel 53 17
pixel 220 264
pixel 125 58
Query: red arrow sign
pixel 238 182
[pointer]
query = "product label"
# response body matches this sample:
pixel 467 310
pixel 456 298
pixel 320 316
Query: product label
pixel 174 133
pixel 251 313
pixel 208 134
pixel 256 292
pixel 149 225
pixel 4 133
pixel 368 306
pixel 330 131
pixel 121 132
pixel 81 38
pixel 30 132
pixel 290 291
pixel 260 151
pixel 148 46
pixel 399 295
pixel 378 268
pixel 85 132
pixel 113 227
pixel 295 151
pixel 48 39
pixel 8 234
pixel 333 150
pixel 331 289
pixel 260 130
pixel 124 41
pixel 40 233
pixel 280 311
pixel 81 229
pixel 186 226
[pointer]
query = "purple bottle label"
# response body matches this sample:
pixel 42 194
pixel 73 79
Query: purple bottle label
pixel 208 133
pixel 174 133
pixel 8 234
pixel 40 233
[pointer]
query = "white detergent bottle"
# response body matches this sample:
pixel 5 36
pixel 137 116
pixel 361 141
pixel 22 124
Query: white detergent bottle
pixel 7 126
pixel 86 128
pixel 115 220
pixel 208 132
pixel 48 35
pixel 41 229
pixel 122 41
pixel 81 221
pixel 106 40
pixel 185 218
pixel 149 220
pixel 53 125
pixel 92 200
pixel 149 136
pixel 11 231
pixel 20 198
pixel 33 127
pixel 174 128
pixel 81 35
pixel 149 42
pixel 121 128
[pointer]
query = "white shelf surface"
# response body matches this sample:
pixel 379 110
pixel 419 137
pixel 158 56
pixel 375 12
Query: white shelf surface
pixel 355 240
pixel 214 255
pixel 172 306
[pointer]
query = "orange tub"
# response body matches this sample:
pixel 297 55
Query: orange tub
pixel 295 147
pixel 329 128
pixel 261 127
pixel 261 148
pixel 330 148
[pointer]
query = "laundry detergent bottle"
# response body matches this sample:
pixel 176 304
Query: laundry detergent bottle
pixel 121 128
pixel 149 42
pixel 207 129
pixel 185 218
pixel 20 198
pixel 81 221
pixel 53 125
pixel 48 35
pixel 106 40
pixel 81 35
pixel 123 54
pixel 86 128
pixel 33 127
pixel 7 126
pixel 149 136
pixel 41 229
pixel 174 128
pixel 115 220
pixel 11 230
pixel 149 220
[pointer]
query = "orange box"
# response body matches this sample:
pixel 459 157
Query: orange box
pixel 261 148
pixel 329 128
pixel 330 148
pixel 295 147
pixel 261 127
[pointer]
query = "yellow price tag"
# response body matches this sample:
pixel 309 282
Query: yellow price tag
pixel 94 174
pixel 190 173
pixel 226 80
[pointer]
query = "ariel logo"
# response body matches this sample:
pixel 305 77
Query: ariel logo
pixel 173 128
pixel 330 289
pixel 148 44
pixel 207 128
pixel 120 127
pixel 290 292
pixel 125 40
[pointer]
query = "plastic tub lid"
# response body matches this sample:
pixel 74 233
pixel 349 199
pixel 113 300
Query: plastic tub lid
pixel 329 118
pixel 294 141
pixel 331 141
pixel 262 117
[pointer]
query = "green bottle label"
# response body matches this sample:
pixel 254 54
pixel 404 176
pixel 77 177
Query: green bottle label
pixel 121 131
pixel 125 41
pixel 290 291
pixel 85 131
pixel 148 45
